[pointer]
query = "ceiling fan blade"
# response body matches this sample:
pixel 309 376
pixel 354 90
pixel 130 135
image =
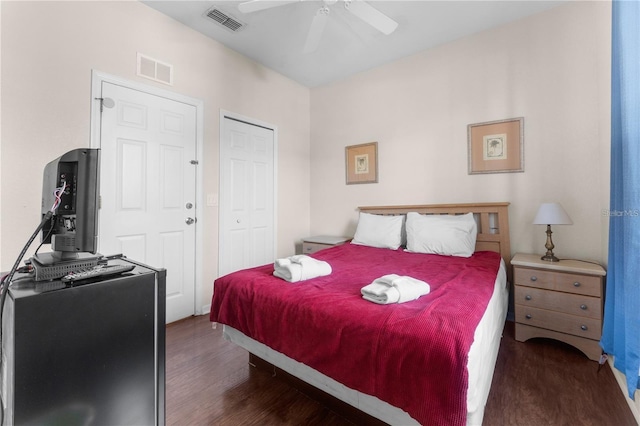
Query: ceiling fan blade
pixel 257 5
pixel 371 16
pixel 316 30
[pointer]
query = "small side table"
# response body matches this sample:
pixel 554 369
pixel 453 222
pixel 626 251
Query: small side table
pixel 319 242
pixel 559 300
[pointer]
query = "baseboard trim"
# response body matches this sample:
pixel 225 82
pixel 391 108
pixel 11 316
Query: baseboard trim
pixel 622 382
pixel 206 309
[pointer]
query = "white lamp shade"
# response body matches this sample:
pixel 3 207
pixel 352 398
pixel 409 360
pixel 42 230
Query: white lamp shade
pixel 552 214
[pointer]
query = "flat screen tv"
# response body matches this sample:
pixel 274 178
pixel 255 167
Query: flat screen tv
pixel 70 191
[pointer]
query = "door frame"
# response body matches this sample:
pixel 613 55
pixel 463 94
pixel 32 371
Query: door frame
pixel 254 122
pixel 97 78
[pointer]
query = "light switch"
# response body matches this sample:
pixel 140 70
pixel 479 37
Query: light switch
pixel 212 200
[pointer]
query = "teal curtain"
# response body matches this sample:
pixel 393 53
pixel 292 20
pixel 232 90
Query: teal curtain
pixel 621 329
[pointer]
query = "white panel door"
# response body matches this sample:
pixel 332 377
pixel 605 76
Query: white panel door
pixel 247 196
pixel 148 187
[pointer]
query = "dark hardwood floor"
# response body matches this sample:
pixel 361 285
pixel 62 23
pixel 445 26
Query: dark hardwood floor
pixel 546 382
pixel 540 382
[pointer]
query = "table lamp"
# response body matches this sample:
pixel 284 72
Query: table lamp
pixel 551 214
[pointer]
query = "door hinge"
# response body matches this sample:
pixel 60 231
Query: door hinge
pixel 194 162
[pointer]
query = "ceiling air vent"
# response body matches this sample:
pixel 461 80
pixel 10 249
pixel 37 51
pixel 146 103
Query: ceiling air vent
pixel 224 19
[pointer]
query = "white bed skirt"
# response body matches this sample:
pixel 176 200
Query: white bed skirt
pixel 481 365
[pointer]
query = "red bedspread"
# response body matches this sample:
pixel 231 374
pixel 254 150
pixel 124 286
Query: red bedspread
pixel 412 355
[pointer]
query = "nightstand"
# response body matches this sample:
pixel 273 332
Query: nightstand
pixel 319 242
pixel 559 300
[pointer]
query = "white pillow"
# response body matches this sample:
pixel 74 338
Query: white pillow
pixel 441 234
pixel 379 231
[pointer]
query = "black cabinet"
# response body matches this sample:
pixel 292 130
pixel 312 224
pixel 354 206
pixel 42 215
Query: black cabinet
pixel 85 354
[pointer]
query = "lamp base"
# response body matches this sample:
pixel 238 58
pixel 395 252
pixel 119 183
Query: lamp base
pixel 550 258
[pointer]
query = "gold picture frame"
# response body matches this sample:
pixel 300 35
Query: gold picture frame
pixel 496 146
pixel 362 163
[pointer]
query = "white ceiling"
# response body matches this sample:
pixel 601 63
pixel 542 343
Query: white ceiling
pixel 275 37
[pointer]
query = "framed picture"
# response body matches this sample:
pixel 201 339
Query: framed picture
pixel 362 163
pixel 496 146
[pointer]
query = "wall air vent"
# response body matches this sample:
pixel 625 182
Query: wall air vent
pixel 224 19
pixel 154 70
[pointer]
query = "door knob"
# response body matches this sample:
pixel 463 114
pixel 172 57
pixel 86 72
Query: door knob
pixel 189 220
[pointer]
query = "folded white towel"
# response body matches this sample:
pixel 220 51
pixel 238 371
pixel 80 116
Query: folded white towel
pixel 381 290
pixel 410 288
pixel 299 268
pixel 386 279
pixel 380 293
pixel 299 258
pixel 393 288
pixel 281 263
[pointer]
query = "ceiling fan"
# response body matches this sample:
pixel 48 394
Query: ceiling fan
pixel 359 8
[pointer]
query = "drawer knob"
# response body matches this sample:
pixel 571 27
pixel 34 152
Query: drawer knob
pixel 576 284
pixel 528 316
pixel 583 307
pixel 584 327
pixel 527 297
pixel 534 278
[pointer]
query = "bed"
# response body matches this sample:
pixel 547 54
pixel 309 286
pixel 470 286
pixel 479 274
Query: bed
pixel 427 361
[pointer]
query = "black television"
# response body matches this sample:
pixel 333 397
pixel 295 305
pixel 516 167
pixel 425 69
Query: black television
pixel 70 190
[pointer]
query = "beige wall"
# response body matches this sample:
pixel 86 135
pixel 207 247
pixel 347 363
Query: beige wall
pixel 552 69
pixel 48 52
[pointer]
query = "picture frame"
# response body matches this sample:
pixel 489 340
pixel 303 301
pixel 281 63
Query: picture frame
pixel 361 163
pixel 496 146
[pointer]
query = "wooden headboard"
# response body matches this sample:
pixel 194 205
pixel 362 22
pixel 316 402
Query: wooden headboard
pixel 492 220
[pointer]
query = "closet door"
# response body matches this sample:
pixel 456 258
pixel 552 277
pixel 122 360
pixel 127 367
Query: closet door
pixel 247 181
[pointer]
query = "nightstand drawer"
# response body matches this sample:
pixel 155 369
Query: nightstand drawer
pixel 575 304
pixel 558 281
pixel 558 321
pixel 308 248
pixel 319 242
